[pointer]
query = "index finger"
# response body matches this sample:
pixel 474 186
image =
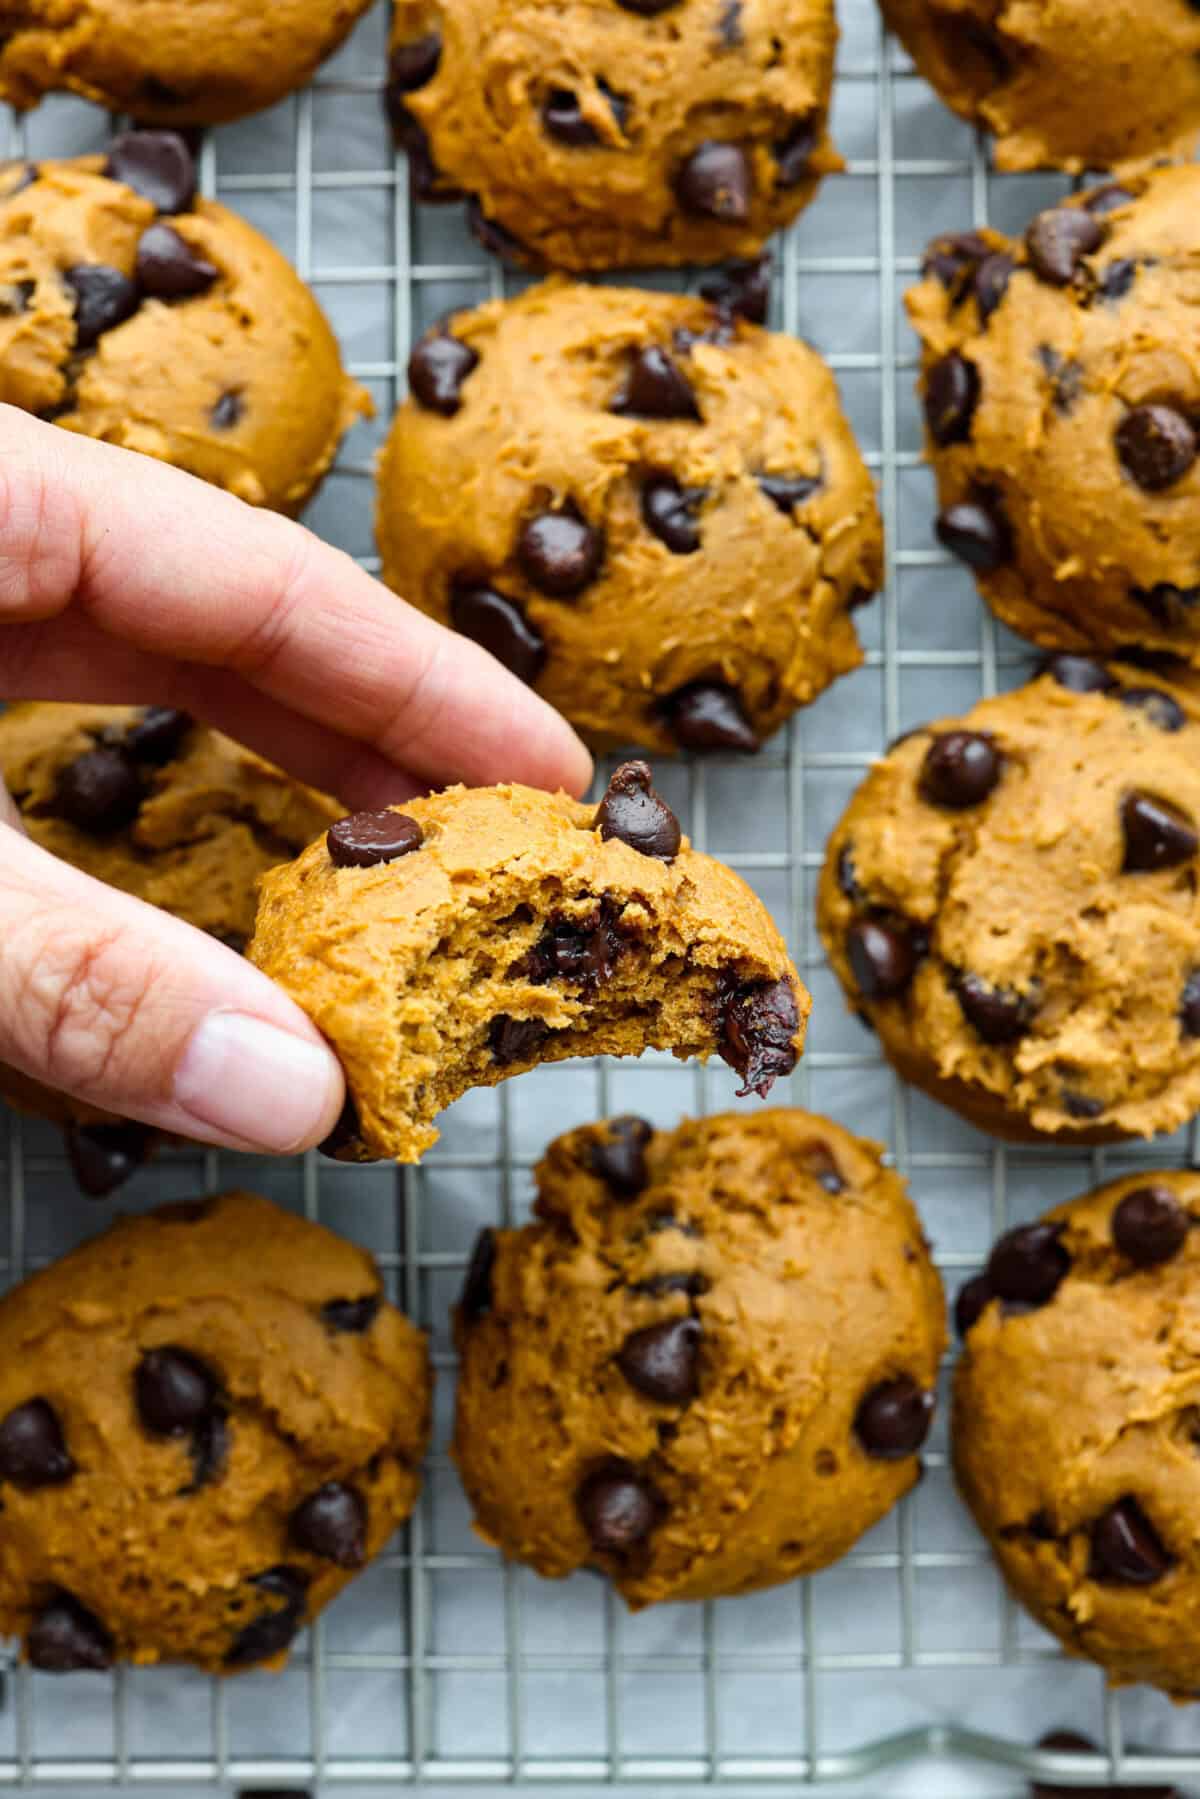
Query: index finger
pixel 179 569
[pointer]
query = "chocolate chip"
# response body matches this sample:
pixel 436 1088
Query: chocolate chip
pixel 990 283
pixel 618 1507
pixel 1156 446
pixel 344 1142
pixel 1189 1006
pixel 1149 1226
pixel 497 239
pixel 1064 375
pixel 104 297
pixel 793 153
pixel 998 1014
pixel 15 297
pixel 515 1039
pixel 415 64
pixel 633 813
pixel 410 134
pixel 663 1361
pixel 973 1299
pixel 758 1027
pixel 351 1317
pixel 883 956
pixel 174 1391
pixel 275 1631
pixel 789 491
pixel 157 165
pixel 156 738
pixel 437 368
pixel 893 1419
pixel 1081 1105
pixel 169 268
pixel 476 1296
pixel 1079 674
pixel 500 626
pixel 717 182
pixel 662 1286
pixel 708 715
pixel 741 290
pixel 656 387
pixel 1118 278
pixel 647 9
pixel 1059 239
pixel 951 396
pixel 209 1450
pixel 1160 707
pixel 99 792
pixel 1168 604
pixel 976 532
pixel 817 1161
pixel 66 1638
pixel 1028 1265
pixel 585 950
pixel 564 119
pixel 1107 199
pixel 961 769
pixel 332 1523
pixel 847 875
pixel 32 1450
pixel 619 1158
pixel 948 259
pixel 729 28
pixel 228 410
pixel 1126 1548
pixel 366 839
pixel 1157 834
pixel 559 552
pixel 104 1156
pixel 669 511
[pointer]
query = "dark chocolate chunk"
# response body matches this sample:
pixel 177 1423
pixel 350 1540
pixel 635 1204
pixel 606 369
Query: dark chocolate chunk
pixel 426 178
pixel 663 1361
pixel 157 737
pixel 717 182
pixel 669 511
pixel 157 165
pixel 344 1142
pixel 1028 1265
pixel 893 1419
pixel 415 64
pixel 476 1296
pixel 656 387
pixel 104 297
pixel 1157 705
pixel 228 410
pixel 1079 674
pixel 961 769
pixel 1059 239
pixel 209 1450
pixel 973 1298
pixel 576 949
pixel 559 553
pixel 977 533
pixel 1118 278
pixel 1064 375
pixel 174 1391
pixel 997 1014
pixel 351 1317
pixel 437 368
pixel 1168 604
pixel 662 1286
pixel 515 1039
pixel 1149 1226
pixel 1107 199
pixel 618 1507
pixel 33 1452
pixel 619 1158
pixel 1156 446
pixel 990 283
pixel 847 874
pixel 1157 834
pixel 951 258
pixel 565 120
pixel 1081 1105
pixel 500 626
pixel 789 491
pixel 741 290
pixel 793 152
pixel 951 396
pixel 275 1631
pixel 647 9
pixel 817 1161
pixel 15 297
pixel 708 715
pixel 883 955
pixel 759 1022
pixel 169 268
pixel 633 813
pixel 104 1156
pixel 66 1638
pixel 366 839
pixel 99 792
pixel 1189 1005
pixel 497 239
pixel 729 28
pixel 1126 1548
pixel 332 1523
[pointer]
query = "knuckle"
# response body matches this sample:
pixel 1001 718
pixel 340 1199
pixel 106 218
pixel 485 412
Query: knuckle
pixel 253 655
pixel 80 999
pixel 39 538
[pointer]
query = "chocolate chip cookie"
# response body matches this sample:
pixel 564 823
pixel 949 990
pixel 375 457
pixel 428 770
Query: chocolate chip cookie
pixel 211 61
pixel 1011 901
pixel 1076 1408
pixel 709 1366
pixel 621 134
pixel 167 810
pixel 649 508
pixel 210 1420
pixel 1062 404
pixel 132 311
pixel 1077 84
pixel 480 931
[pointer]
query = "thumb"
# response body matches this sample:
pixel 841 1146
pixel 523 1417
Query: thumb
pixel 126 1008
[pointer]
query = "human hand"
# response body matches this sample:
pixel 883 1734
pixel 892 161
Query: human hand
pixel 124 580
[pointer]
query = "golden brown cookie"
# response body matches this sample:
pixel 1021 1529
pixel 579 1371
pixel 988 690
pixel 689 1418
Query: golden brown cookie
pixel 1076 1403
pixel 209 1421
pixel 481 931
pixel 1062 403
pixel 709 1366
pixel 621 134
pixel 132 311
pixel 1010 900
pixel 1068 84
pixel 650 509
pixel 167 810
pixel 199 65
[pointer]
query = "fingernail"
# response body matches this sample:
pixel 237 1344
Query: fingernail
pixel 244 1078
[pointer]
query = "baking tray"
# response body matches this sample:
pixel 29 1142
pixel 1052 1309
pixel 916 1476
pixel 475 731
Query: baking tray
pixel 904 1671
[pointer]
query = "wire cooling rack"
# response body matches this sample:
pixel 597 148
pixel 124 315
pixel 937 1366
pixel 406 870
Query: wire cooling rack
pixel 904 1671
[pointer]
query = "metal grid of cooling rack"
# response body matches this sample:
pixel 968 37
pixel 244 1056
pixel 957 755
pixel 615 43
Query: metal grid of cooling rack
pixel 902 1671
